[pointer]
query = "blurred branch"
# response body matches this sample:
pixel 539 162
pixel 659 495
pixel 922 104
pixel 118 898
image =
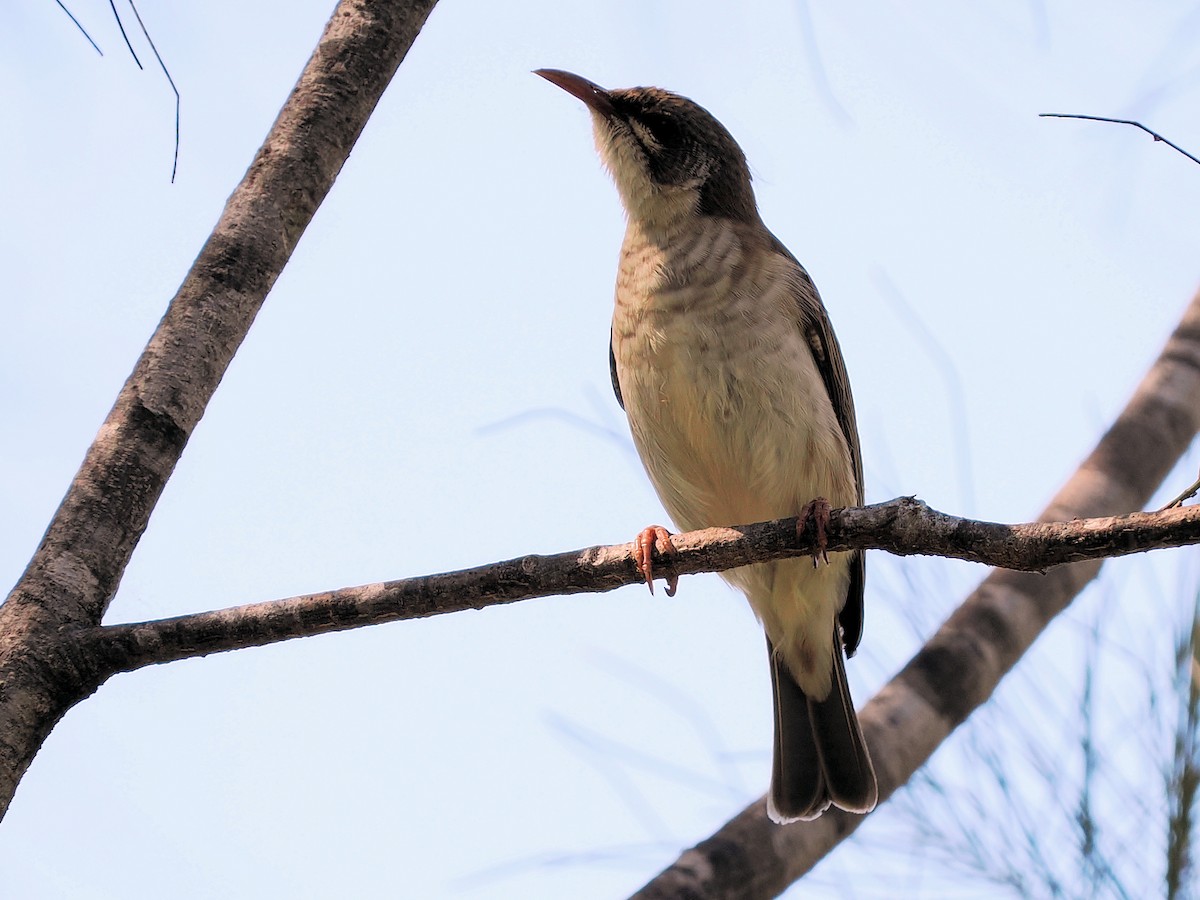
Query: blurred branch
pixel 818 74
pixel 53 652
pixel 1153 134
pixel 1183 783
pixel 959 409
pixel 962 663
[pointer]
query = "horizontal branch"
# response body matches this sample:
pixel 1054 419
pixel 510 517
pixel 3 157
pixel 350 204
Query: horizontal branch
pixel 959 666
pixel 1151 132
pixel 905 526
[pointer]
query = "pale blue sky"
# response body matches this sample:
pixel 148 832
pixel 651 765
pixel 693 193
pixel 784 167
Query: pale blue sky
pixel 406 403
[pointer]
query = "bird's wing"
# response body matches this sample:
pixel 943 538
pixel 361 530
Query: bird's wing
pixel 612 371
pixel 818 334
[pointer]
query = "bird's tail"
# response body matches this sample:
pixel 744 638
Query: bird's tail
pixel 820 755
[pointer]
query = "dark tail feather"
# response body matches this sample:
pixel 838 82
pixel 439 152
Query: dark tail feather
pixel 798 788
pixel 820 755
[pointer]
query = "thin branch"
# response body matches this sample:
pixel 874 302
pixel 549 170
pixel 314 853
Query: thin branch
pixel 817 71
pixel 82 30
pixel 1153 134
pixel 121 25
pixel 951 378
pixel 171 81
pixel 1186 494
pixel 960 666
pixel 76 568
pixel 904 526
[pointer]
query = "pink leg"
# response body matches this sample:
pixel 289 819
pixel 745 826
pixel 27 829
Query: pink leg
pixel 643 554
pixel 816 512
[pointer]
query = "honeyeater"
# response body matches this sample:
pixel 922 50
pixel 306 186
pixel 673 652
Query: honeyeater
pixel 725 362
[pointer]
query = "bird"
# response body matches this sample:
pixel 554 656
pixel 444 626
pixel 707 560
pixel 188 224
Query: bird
pixel 724 360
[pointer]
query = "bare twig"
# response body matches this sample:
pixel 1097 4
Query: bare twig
pixel 948 368
pixel 121 25
pixel 1187 494
pixel 82 30
pixel 1153 134
pixel 171 81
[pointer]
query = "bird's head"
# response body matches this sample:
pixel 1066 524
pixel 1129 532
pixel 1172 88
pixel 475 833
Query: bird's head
pixel 669 157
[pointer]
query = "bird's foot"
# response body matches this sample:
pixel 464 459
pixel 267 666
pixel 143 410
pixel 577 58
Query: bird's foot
pixel 816 512
pixel 644 545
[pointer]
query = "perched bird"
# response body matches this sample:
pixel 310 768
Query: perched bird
pixel 724 360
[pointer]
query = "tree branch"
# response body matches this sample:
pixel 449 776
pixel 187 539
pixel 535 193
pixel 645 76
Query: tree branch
pixel 1153 134
pixel 961 664
pixel 904 526
pixel 74 573
pixel 76 568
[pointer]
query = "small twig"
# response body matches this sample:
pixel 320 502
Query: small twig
pixel 82 30
pixel 951 377
pixel 1153 134
pixel 162 65
pixel 121 25
pixel 1188 494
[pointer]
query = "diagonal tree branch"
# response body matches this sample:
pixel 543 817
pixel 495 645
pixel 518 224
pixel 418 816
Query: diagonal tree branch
pixel 961 664
pixel 76 569
pixel 53 652
pixel 904 526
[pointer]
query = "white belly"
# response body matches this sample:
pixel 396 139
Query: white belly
pixel 734 425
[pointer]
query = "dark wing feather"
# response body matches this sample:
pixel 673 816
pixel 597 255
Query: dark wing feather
pixel 818 332
pixel 612 371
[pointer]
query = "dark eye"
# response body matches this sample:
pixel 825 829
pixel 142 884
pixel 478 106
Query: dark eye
pixel 666 131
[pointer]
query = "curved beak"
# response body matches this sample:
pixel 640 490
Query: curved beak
pixel 593 95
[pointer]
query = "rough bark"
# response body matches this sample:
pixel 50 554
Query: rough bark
pixel 53 651
pixel 961 664
pixel 905 526
pixel 75 571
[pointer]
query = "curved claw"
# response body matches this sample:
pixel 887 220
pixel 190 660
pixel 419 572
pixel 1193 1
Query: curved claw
pixel 644 544
pixel 818 513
